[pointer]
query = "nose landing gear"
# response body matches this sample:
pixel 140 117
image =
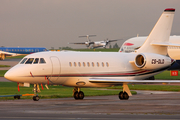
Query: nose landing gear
pixel 36 90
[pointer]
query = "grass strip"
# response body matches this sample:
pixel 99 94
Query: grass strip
pixel 4 66
pixel 10 88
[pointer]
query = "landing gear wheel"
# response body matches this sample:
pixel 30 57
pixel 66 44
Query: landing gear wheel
pixel 36 98
pixel 81 95
pixel 123 96
pixel 78 95
pixel 17 97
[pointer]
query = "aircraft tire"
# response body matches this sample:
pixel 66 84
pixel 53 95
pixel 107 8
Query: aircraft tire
pixel 121 97
pixel 81 95
pixel 76 95
pixel 125 96
pixel 36 98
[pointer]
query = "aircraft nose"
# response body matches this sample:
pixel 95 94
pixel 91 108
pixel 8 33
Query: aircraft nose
pixel 10 75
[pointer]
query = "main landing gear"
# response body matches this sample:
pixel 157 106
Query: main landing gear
pixel 36 90
pixel 124 95
pixel 78 94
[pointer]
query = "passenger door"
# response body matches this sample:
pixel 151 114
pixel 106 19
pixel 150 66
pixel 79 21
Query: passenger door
pixel 56 67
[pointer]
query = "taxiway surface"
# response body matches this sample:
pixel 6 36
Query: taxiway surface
pixel 140 106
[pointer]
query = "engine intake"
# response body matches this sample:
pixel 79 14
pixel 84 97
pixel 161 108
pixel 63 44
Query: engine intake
pixel 150 61
pixel 140 60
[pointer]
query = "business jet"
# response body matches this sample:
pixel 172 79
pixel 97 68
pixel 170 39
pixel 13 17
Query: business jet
pixel 95 44
pixel 99 69
pixel 14 51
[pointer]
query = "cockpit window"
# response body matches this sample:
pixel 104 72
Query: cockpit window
pixel 29 61
pixel 24 60
pixel 42 60
pixel 36 61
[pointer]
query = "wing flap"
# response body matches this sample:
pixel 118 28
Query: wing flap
pixel 104 80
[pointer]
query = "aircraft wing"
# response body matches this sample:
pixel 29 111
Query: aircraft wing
pixel 104 80
pixel 8 53
pixel 83 43
pixel 114 40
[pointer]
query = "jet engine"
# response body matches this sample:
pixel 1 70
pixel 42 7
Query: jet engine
pixel 150 61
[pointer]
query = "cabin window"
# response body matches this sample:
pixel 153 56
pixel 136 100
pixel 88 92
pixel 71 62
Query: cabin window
pixel 23 61
pixel 102 64
pixel 97 64
pixel 70 64
pixel 79 64
pixel 88 64
pixel 92 64
pixel 74 64
pixel 36 60
pixel 107 64
pixel 42 60
pixel 84 64
pixel 29 61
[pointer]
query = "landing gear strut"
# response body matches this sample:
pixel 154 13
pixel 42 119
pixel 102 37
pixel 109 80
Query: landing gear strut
pixel 78 94
pixel 36 89
pixel 124 95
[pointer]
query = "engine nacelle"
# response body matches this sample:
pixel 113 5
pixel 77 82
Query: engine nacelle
pixel 150 61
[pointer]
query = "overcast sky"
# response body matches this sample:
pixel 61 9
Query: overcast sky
pixel 54 23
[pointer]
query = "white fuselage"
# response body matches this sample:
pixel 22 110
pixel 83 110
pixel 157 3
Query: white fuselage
pixel 75 68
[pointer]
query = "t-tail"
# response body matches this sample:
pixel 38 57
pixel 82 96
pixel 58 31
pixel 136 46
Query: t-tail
pixel 158 40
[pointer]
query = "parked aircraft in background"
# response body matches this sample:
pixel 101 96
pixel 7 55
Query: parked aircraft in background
pixel 13 51
pixel 95 44
pixel 99 69
pixel 135 43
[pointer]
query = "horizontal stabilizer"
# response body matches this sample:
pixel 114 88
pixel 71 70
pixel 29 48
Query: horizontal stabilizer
pixel 103 80
pixel 166 44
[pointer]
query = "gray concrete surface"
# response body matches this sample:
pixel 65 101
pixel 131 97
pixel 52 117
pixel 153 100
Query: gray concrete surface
pixel 141 106
pixel 10 62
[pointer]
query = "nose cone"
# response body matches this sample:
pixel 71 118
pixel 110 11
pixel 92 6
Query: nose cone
pixel 13 74
pixel 10 75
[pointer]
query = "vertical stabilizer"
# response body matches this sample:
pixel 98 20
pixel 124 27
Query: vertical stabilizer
pixel 159 34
